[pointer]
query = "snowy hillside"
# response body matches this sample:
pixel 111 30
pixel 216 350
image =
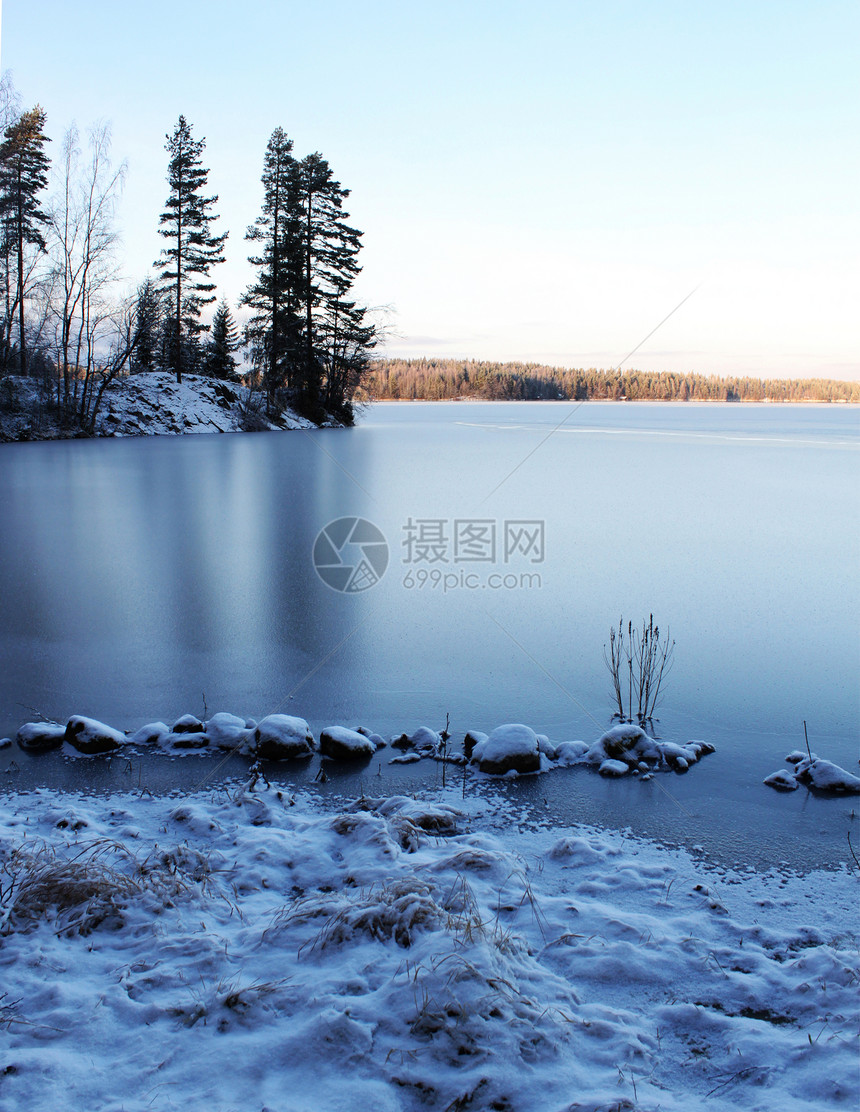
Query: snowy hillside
pixel 151 404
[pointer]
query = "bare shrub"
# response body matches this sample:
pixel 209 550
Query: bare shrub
pixel 638 662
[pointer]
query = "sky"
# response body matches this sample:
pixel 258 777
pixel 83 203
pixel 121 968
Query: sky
pixel 542 181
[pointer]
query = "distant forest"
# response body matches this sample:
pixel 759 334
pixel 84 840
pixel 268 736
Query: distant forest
pixel 450 379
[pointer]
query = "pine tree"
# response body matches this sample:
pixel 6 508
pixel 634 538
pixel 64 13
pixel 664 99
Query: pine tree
pixel 306 331
pixel 336 340
pixel 274 327
pixel 23 176
pixel 192 249
pixel 148 323
pixel 223 342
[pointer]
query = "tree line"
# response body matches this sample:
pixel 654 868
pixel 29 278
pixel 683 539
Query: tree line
pixel 450 379
pixel 64 320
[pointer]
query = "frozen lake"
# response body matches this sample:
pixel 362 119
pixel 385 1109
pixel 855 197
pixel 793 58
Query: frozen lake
pixel 139 575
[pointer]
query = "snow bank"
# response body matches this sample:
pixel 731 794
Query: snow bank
pixel 252 951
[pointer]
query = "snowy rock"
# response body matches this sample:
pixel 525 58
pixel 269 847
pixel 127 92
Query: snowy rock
pixel 341 744
pixel 282 737
pixel 227 731
pixel 89 736
pixel 547 748
pixel 38 736
pixel 152 734
pixel 783 781
pixel 5 742
pixel 188 724
pixel 472 738
pixel 613 768
pixel 623 743
pixel 377 739
pixel 631 744
pixel 570 752
pixel 190 740
pixel 826 776
pixel 425 740
pixel 509 748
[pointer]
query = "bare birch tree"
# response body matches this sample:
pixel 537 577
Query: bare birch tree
pixel 83 243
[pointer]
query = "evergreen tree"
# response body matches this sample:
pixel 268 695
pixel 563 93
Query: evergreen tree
pixel 306 331
pixel 336 339
pixel 274 327
pixel 192 250
pixel 148 324
pixel 23 176
pixel 223 342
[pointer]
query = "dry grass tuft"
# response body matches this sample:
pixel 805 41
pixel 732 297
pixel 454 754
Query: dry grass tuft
pixel 79 888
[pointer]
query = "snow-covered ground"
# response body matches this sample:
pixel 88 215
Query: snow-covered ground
pixel 150 404
pixel 251 950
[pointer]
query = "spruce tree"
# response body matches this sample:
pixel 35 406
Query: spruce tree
pixel 275 326
pixel 223 342
pixel 307 332
pixel 336 340
pixel 192 250
pixel 23 176
pixel 148 322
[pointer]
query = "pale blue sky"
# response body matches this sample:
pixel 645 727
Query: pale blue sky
pixel 539 180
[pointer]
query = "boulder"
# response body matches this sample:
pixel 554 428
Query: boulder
pixel 341 744
pixel 188 740
pixel 826 776
pixel 152 734
pixel 425 740
pixel 36 737
pixel 547 748
pixel 509 748
pixel 472 738
pixel 89 736
pixel 623 743
pixel 783 781
pixel 377 739
pixel 188 724
pixel 570 752
pixel 226 731
pixel 281 737
pixel 613 768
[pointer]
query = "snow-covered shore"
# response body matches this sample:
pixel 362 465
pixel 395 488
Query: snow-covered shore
pixel 149 404
pixel 251 949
